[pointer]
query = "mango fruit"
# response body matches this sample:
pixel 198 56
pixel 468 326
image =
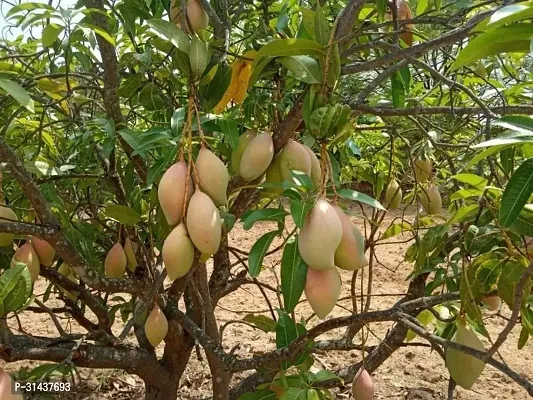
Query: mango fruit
pixel 322 289
pixel 203 223
pixel 464 368
pixel 257 157
pixel 423 169
pixel 6 387
pixel 6 215
pixel 130 254
pixel 198 18
pixel 236 154
pixel 213 176
pixel 294 157
pixel 27 255
pixel 431 200
pixel 67 271
pixel 171 192
pixel 316 169
pixel 320 236
pixel 115 262
pixel 273 176
pixel 350 253
pixel 362 386
pixel 393 195
pixel 44 250
pixel 156 326
pixel 178 252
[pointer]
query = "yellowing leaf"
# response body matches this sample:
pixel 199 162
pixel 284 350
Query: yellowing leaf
pixel 241 70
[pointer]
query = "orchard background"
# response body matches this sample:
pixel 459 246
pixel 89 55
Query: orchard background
pixel 360 182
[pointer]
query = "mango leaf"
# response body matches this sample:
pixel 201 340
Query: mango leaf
pixel 516 193
pixel 396 229
pixel 258 251
pixel 198 55
pixel 488 274
pixel 509 39
pixel 100 32
pixel 462 213
pixel 18 93
pixel 524 336
pixel 304 68
pixel 398 90
pixel 504 141
pixel 9 280
pixel 266 324
pixel 360 197
pixel 286 331
pixel 267 214
pixel 28 7
pixel 295 393
pixel 290 47
pixel 123 214
pixel 171 32
pixel 506 15
pixel 517 123
pixel 523 225
pixel 293 273
pixel 50 34
pixel 484 154
pixel 263 394
pixel 20 294
pixel 511 273
pixel 472 179
pixel 213 91
pixel 299 210
pixel 322 30
pixel 231 131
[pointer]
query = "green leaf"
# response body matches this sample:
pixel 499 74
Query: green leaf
pixel 301 179
pixel 28 7
pixel 507 158
pixel 524 336
pixel 322 29
pixel 152 139
pixel 212 92
pixel 360 197
pixel 510 39
pixel 488 274
pixel 267 214
pixel 299 210
pixel 308 21
pixel 294 393
pixel 472 179
pixel 304 68
pixel 396 229
pixel 484 154
pixel 258 66
pixel 398 90
pixel 266 324
pixel 9 280
pixel 506 15
pixel 171 32
pixel 129 86
pixel 511 273
pixel 18 93
pixel 286 331
pixel 231 131
pixel 382 8
pixel 504 141
pixel 469 300
pixel 258 251
pixel 100 32
pixel 523 225
pixel 516 193
pixel 324 375
pixel 161 165
pixel 462 213
pixel 293 273
pixel 20 293
pixel 290 47
pixel 421 7
pixel 264 394
pixel 198 55
pixel 123 214
pixel 517 123
pixel 50 34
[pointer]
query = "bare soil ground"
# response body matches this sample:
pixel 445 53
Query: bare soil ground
pixel 411 373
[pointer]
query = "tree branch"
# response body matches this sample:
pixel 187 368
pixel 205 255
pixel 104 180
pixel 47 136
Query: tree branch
pixel 398 112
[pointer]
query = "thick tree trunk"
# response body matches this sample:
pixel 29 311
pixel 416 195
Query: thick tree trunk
pixel 168 392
